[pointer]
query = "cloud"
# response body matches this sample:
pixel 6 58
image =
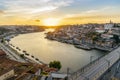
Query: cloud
pixel 92 17
pixel 92 12
pixel 34 6
pixel 1 12
pixel 99 10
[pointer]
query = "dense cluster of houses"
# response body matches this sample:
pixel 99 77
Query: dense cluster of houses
pixel 14 70
pixel 92 35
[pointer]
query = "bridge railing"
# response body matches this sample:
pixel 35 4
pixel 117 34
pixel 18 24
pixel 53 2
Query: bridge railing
pixel 78 73
pixel 85 68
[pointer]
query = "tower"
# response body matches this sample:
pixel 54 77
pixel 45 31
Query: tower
pixel 111 22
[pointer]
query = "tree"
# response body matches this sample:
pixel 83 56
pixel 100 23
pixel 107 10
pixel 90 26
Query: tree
pixel 2 41
pixel 55 64
pixel 116 38
pixel 95 39
pixel 22 55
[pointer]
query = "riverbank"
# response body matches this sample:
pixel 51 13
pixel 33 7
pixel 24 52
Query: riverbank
pixel 85 37
pixel 22 53
pixel 19 53
pixel 83 46
pixel 46 50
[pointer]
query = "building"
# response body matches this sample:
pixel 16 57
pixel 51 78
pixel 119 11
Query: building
pixel 106 36
pixel 57 76
pixel 7 73
pixel 100 30
pixel 6 67
pixel 2 54
pixel 108 26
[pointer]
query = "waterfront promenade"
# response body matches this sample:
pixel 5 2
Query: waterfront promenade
pixel 94 70
pixel 12 54
pixel 15 55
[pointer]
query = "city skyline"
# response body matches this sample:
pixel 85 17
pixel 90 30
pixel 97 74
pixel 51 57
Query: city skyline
pixel 58 12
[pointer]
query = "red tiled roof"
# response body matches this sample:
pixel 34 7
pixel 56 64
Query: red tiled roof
pixel 51 69
pixel 6 65
pixel 2 53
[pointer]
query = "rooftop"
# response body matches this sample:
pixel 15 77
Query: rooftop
pixel 60 76
pixel 6 65
pixel 2 53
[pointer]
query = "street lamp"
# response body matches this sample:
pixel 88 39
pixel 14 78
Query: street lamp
pixel 68 69
pixel 91 57
pixel 118 66
pixel 119 54
pixel 108 62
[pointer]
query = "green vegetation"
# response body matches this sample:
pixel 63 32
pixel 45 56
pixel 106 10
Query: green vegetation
pixel 91 34
pixel 116 25
pixel 94 35
pixel 95 38
pixel 22 55
pixel 55 64
pixel 44 73
pixel 2 41
pixel 116 38
pixel 35 78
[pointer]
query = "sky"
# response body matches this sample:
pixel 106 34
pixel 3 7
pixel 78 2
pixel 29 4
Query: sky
pixel 58 12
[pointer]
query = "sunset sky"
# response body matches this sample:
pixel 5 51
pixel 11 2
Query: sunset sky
pixel 58 12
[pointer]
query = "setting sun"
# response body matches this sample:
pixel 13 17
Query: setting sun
pixel 51 22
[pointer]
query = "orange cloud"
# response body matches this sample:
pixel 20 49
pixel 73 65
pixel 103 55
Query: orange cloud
pixel 90 19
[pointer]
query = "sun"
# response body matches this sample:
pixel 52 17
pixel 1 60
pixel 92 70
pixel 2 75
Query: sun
pixel 51 22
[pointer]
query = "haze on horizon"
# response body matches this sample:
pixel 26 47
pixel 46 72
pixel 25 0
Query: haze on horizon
pixel 58 12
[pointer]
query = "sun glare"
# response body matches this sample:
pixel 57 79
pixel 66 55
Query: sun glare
pixel 51 22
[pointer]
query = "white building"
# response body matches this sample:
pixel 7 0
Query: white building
pixel 106 36
pixel 7 74
pixel 108 26
pixel 99 30
pixel 57 76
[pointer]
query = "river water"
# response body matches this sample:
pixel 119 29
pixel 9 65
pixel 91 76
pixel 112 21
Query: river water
pixel 47 50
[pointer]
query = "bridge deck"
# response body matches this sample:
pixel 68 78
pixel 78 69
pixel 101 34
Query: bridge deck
pixel 96 69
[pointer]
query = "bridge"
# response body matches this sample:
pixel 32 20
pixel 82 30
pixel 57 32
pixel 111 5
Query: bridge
pixel 95 69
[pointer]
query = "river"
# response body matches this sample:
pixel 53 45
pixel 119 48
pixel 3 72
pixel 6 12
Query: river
pixel 47 50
